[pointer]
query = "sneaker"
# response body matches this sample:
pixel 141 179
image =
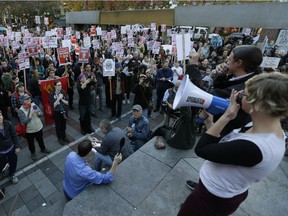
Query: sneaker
pixel 128 101
pixel 13 179
pixel 191 184
pixel 33 156
pixel 123 102
pixel 45 151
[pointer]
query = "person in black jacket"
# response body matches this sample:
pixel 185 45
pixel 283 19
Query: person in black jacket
pixel 9 147
pixel 84 104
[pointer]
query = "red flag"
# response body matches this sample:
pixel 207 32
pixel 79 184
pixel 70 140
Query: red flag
pixel 47 86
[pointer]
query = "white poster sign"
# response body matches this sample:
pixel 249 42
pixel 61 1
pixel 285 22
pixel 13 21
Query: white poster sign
pixel 183 52
pixel 109 67
pixel 282 39
pixel 270 62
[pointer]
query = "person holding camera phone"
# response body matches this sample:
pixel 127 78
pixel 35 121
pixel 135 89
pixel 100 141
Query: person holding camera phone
pixel 59 102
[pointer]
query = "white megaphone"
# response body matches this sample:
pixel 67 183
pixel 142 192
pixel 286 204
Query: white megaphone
pixel 190 95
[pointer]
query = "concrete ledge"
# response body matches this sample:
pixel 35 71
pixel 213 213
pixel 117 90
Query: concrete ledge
pixel 152 182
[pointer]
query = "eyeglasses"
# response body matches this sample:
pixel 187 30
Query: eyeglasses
pixel 58 85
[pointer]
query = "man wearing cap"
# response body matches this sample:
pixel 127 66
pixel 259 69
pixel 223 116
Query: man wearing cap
pixel 29 115
pixel 138 130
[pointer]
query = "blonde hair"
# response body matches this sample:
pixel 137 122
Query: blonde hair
pixel 267 92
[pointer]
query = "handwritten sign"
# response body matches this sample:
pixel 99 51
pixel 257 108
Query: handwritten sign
pixel 270 62
pixel 108 68
pixel 282 39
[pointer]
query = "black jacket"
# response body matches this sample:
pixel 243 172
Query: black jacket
pixel 9 138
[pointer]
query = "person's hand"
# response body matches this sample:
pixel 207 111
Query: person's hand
pixel 208 118
pixel 222 69
pixel 118 158
pixel 129 129
pixel 129 134
pixel 233 107
pixel 17 150
pixel 60 96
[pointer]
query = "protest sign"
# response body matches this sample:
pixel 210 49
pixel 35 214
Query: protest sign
pixel 23 60
pixel 270 62
pixel 282 39
pixel 108 68
pixel 63 56
pixel 33 50
pixel 37 20
pixel 83 55
pixel 99 31
pixel 183 47
pixel 46 21
pixel 93 31
pixel 86 42
pixel 123 30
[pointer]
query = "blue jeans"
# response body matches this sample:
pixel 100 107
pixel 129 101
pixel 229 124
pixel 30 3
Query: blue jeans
pixel 100 158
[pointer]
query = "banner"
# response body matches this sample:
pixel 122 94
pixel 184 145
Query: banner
pixel 47 86
pixel 64 56
pixel 84 55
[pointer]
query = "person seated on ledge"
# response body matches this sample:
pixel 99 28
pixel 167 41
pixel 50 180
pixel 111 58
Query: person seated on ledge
pixel 78 174
pixel 110 144
pixel 138 129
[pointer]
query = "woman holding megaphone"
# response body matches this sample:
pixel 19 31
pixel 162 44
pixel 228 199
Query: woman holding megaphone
pixel 244 156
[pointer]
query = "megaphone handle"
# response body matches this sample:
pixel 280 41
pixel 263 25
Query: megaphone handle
pixel 200 120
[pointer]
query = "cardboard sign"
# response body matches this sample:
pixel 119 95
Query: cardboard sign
pixel 123 30
pixel 87 42
pixel 282 39
pixel 93 31
pixel 60 32
pixel 270 62
pixel 63 56
pixel 77 33
pixel 23 60
pixel 33 50
pixel 46 21
pixel 99 31
pixel 153 26
pixel 108 68
pixel 183 52
pixel 84 55
pixel 37 19
pixel 163 27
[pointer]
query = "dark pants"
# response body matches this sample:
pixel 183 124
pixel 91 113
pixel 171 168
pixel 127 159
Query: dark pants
pixel 85 118
pixel 11 158
pixel 128 86
pixel 70 97
pixel 202 203
pixel 160 94
pixel 60 124
pixel 39 137
pixel 116 99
